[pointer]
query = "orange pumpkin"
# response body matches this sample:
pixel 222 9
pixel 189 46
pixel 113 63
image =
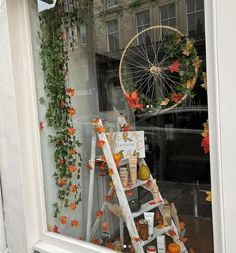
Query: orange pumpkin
pixel 174 248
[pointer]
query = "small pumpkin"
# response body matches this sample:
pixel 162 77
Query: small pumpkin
pixel 174 248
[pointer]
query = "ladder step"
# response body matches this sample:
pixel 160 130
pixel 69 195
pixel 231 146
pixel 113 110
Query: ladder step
pixel 146 207
pixel 157 232
pixel 139 183
pixel 121 163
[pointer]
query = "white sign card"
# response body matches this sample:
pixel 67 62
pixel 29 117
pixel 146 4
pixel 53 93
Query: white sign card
pixel 131 143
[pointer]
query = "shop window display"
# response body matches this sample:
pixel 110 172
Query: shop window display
pixel 123 124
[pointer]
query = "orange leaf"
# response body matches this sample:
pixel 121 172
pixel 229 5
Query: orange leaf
pixel 71 111
pixel 61 161
pixel 174 67
pixel 176 97
pixel 100 130
pixel 63 220
pixel 72 152
pixel 62 182
pixel 152 203
pixel 100 143
pixel 62 104
pixel 74 223
pixel 70 92
pixel 148 183
pixel 192 250
pixel 99 214
pixel 133 100
pixel 55 229
pixel 72 168
pixel 109 245
pixel 135 238
pixel 172 233
pixel 184 240
pixel 89 166
pixel 95 241
pixel 129 193
pixel 107 198
pixel 73 206
pixel 111 172
pixel 105 227
pixel 103 166
pixel 41 126
pixel 73 188
pixel 71 131
pixel 95 121
pixel 125 128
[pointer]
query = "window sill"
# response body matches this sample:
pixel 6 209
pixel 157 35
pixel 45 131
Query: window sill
pixel 57 243
pixel 43 247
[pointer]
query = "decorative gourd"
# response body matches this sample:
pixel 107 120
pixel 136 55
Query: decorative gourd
pixel 143 172
pixel 174 248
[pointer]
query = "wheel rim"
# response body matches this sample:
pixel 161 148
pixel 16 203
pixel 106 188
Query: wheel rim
pixel 147 69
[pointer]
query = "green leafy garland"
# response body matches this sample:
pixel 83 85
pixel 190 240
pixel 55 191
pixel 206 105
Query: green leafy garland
pixel 54 60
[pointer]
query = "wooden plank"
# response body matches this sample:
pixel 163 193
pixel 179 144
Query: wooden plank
pixel 91 186
pixel 120 192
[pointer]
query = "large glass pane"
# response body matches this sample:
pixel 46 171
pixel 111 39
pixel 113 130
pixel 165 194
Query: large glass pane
pixel 190 6
pixel 199 5
pixel 143 18
pixel 172 10
pixel 192 24
pixel 172 22
pixel 200 22
pixel 112 182
pixel 164 12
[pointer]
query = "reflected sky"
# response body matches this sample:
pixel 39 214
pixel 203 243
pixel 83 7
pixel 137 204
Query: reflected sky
pixel 43 6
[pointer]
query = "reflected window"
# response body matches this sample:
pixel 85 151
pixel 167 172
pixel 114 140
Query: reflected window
pixel 168 15
pixel 83 35
pixel 70 5
pixel 143 22
pixel 112 3
pixel 113 35
pixel 195 17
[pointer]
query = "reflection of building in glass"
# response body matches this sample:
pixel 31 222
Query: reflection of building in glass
pixel 116 22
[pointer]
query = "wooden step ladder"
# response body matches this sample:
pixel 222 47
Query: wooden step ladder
pixel 128 216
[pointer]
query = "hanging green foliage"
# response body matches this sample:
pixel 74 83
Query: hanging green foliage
pixel 59 114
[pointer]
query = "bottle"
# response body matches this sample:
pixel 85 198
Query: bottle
pixel 124 177
pixel 155 192
pixel 151 249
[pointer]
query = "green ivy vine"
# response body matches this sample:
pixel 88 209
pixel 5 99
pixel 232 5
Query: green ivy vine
pixel 59 114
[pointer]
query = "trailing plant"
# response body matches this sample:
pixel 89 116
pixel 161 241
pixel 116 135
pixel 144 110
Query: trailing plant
pixel 59 114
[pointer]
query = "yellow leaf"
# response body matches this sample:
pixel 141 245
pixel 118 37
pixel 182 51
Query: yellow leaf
pixel 197 62
pixel 188 46
pixel 190 83
pixel 165 101
pixel 209 196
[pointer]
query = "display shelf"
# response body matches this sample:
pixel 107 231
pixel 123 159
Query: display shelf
pixel 145 208
pixel 139 183
pixel 157 232
pixel 121 163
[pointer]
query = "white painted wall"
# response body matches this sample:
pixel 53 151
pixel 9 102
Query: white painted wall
pixel 221 55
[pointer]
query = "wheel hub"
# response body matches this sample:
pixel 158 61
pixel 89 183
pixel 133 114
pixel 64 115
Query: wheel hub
pixel 155 70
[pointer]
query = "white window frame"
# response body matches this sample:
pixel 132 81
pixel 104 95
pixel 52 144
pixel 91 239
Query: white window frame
pixel 107 34
pixel 194 12
pixel 110 6
pixel 20 164
pixel 167 19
